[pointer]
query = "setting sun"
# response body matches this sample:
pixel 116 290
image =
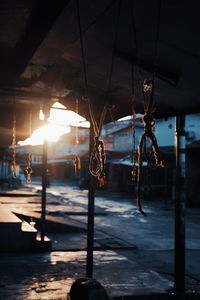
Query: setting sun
pixel 59 123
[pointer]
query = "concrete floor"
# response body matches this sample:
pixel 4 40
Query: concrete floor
pixel 133 255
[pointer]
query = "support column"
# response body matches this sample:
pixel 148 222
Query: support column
pixel 44 186
pixel 44 177
pixel 90 223
pixel 180 197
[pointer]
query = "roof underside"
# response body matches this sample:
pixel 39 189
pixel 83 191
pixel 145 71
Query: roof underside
pixel 40 55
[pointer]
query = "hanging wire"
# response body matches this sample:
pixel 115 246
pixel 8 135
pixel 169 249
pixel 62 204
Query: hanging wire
pixel 157 40
pixel 28 170
pixel 152 103
pixel 134 46
pixel 82 48
pixel 134 154
pixel 114 46
pixel 13 165
pixel 77 161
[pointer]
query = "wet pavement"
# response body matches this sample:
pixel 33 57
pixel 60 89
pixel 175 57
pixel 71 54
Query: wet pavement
pixel 50 275
pixel 133 254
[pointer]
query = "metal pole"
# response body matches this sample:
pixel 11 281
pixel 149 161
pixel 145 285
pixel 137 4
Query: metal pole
pixel 90 223
pixel 44 185
pixel 44 179
pixel 180 197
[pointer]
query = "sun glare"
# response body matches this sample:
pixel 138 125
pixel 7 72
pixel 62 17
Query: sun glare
pixel 58 123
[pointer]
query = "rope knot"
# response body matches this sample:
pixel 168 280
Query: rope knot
pixel 147 85
pixel 97 161
pixel 148 122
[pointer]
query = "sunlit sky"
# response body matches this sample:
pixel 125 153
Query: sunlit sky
pixel 58 123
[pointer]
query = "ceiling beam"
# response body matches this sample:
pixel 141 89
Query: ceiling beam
pixel 164 74
pixel 43 16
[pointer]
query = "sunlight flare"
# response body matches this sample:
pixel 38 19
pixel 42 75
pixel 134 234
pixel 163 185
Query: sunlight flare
pixel 58 123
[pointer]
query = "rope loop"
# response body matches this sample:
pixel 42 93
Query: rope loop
pixel 97 161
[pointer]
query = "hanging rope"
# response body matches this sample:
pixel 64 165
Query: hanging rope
pixel 114 46
pixel 13 164
pixel 149 85
pixel 98 156
pixel 82 48
pixel 157 40
pixel 134 48
pixel 28 170
pixel 77 161
pixel 134 154
pixel 148 91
